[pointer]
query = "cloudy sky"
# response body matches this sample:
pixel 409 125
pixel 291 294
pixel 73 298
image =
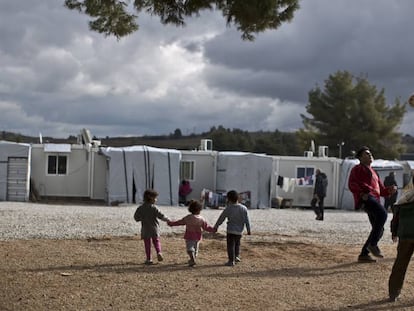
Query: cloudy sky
pixel 57 77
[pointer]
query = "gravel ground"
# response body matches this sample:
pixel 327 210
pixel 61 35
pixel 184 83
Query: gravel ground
pixel 46 221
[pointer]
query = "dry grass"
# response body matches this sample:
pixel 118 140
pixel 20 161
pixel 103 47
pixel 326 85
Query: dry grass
pixel 276 273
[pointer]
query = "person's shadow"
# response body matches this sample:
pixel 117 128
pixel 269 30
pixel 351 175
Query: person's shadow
pixel 375 305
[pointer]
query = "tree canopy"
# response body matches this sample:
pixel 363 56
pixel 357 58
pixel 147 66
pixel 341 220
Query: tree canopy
pixel 120 18
pixel 272 143
pixel 351 110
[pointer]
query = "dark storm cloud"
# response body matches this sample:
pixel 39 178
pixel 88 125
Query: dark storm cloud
pixel 366 37
pixel 57 77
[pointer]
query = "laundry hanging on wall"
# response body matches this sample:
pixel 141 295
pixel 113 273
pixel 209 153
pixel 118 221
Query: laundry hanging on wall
pixel 288 184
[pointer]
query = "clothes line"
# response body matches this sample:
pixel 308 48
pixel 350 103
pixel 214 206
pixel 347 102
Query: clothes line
pixel 288 184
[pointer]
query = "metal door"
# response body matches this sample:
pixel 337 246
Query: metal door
pixel 17 180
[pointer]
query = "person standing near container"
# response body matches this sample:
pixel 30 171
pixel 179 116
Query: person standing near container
pixel 367 188
pixel 319 193
pixel 183 191
pixel 390 200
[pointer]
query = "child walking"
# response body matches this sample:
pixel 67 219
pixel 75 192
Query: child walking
pixel 148 214
pixel 237 217
pixel 194 225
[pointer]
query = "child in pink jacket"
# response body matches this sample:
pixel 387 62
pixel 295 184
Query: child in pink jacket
pixel 195 224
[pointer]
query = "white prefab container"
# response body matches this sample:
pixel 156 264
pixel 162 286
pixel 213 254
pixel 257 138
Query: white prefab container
pixel 132 170
pixel 15 159
pixel 382 167
pixel 246 172
pixel 199 168
pixel 68 171
pixel 60 170
pixel 299 172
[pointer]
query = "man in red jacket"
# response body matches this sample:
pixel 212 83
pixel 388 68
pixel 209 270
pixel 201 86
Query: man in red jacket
pixel 367 188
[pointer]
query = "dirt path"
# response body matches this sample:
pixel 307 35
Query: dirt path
pixel 276 273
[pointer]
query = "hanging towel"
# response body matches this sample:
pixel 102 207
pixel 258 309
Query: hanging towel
pixel 285 186
pixel 292 184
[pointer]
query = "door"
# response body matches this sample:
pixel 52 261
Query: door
pixel 17 181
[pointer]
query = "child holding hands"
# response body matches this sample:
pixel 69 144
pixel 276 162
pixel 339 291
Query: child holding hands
pixel 148 214
pixel 237 217
pixel 194 225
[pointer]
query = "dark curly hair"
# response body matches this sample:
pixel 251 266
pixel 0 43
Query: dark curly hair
pixel 150 195
pixel 195 207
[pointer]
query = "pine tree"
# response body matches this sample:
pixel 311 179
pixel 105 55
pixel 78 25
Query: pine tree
pixel 118 17
pixel 351 110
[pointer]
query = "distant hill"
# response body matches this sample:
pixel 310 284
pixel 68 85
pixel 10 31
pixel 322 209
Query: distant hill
pixel 19 138
pixel 259 142
pixel 168 142
pixel 163 141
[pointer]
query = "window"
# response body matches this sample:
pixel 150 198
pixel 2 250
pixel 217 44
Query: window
pixel 57 164
pixel 187 170
pixel 305 174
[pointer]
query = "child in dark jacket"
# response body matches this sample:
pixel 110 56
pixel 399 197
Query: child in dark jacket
pixel 237 217
pixel 148 214
pixel 194 225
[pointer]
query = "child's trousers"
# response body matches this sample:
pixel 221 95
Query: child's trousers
pixel 157 245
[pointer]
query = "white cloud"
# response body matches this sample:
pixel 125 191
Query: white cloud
pixel 13 116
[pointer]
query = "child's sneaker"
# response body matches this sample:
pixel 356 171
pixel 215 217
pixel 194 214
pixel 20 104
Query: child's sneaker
pixel 159 257
pixel 237 259
pixel 191 263
pixel 229 263
pixel 148 262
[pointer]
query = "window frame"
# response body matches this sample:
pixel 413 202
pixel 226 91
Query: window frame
pixel 59 168
pixel 187 173
pixel 306 170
